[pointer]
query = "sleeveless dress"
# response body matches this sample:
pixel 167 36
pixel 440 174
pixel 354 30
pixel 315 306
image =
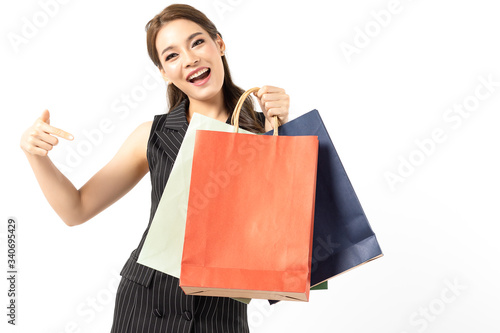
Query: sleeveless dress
pixel 151 301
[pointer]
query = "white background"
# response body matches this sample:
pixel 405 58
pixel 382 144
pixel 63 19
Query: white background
pixel 437 226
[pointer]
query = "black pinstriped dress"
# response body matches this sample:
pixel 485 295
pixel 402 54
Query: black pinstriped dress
pixel 148 300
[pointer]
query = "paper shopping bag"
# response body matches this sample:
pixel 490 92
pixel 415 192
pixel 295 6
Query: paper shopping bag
pixel 343 238
pixel 162 249
pixel 250 215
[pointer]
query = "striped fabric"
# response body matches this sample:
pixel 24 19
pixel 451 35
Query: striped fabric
pixel 151 301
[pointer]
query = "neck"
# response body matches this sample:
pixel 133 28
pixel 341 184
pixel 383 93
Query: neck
pixel 213 108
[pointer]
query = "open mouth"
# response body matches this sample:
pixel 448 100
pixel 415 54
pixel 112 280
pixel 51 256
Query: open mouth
pixel 200 75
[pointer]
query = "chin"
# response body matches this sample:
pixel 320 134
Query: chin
pixel 204 93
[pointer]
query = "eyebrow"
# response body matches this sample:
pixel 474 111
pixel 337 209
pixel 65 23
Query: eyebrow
pixel 187 40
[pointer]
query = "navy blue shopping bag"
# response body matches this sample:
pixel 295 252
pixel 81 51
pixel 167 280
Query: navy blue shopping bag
pixel 343 238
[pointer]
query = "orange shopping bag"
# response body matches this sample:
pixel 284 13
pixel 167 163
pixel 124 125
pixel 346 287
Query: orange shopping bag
pixel 250 214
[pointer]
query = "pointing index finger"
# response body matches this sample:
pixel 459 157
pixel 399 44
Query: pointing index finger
pixel 57 131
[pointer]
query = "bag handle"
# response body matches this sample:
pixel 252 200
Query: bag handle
pixel 235 119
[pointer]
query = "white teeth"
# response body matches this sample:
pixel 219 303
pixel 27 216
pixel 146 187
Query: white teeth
pixel 198 73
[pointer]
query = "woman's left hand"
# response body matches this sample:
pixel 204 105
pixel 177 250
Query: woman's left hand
pixel 273 102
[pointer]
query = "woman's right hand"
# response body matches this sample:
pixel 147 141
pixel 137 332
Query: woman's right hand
pixel 37 139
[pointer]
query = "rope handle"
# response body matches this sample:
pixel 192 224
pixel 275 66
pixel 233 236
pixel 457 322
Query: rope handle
pixel 235 119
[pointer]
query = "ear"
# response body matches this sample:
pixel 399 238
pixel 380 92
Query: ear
pixel 222 45
pixel 162 72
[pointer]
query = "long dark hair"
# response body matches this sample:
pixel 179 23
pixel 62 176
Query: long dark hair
pixel 231 92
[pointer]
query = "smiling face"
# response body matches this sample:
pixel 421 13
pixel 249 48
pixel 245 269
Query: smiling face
pixel 191 59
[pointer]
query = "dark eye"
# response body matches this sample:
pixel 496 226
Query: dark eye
pixel 198 42
pixel 170 56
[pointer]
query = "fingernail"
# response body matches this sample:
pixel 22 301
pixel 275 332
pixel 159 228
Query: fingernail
pixel 71 137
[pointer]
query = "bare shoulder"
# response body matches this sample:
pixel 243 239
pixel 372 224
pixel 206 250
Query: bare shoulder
pixel 141 133
pixel 144 129
pixel 136 143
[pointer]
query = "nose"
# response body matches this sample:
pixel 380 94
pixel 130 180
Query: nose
pixel 190 59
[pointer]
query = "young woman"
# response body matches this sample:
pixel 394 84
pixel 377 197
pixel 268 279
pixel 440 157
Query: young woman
pixel 189 52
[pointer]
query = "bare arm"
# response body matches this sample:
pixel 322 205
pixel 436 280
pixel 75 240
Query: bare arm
pixel 116 178
pixel 108 185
